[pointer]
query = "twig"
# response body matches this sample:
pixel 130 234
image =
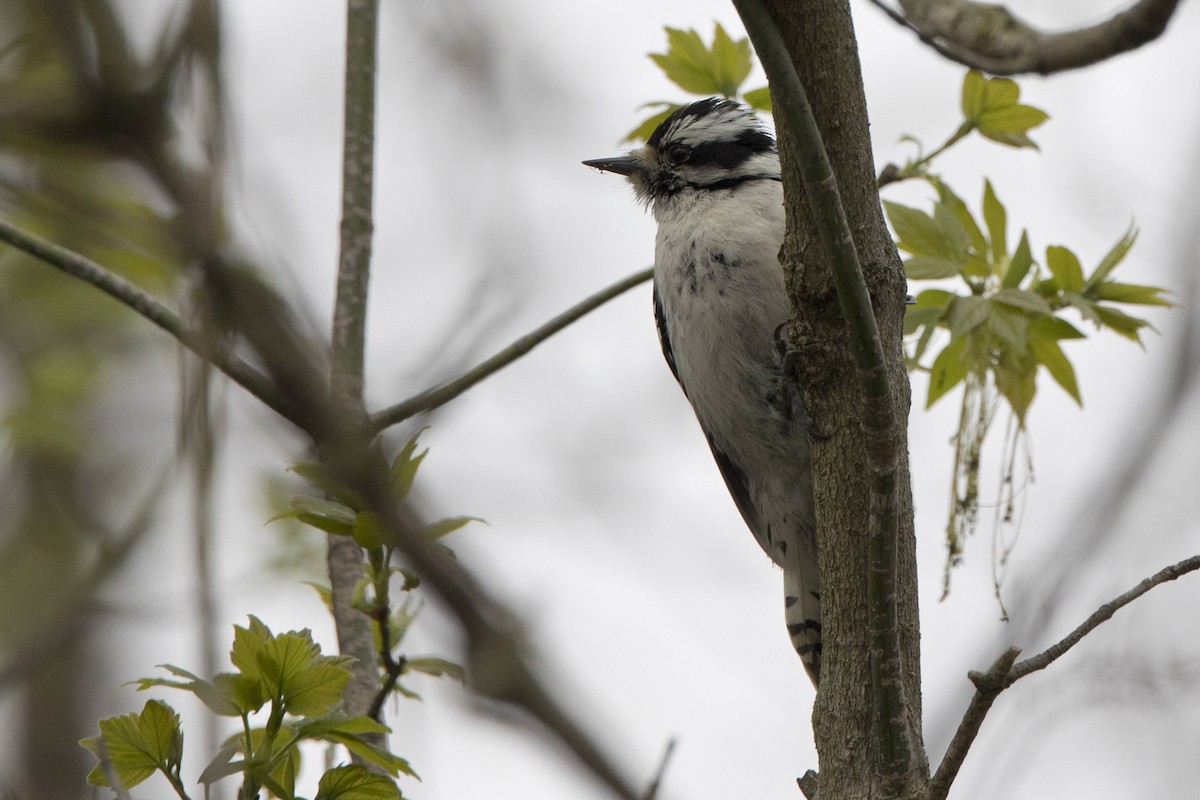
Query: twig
pixel 879 417
pixel 121 290
pixel 652 790
pixel 345 557
pixel 988 686
pixel 1102 614
pixel 445 392
pixel 1006 671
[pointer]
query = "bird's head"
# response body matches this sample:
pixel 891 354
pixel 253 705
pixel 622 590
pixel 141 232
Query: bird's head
pixel 709 145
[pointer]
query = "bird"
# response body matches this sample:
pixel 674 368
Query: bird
pixel 710 175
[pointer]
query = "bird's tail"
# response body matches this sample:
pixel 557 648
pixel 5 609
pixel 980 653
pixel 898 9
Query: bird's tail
pixel 802 612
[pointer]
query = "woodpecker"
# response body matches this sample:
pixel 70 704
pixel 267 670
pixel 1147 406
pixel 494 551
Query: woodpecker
pixel 710 175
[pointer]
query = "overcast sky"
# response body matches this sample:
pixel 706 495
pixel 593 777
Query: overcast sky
pixel 608 525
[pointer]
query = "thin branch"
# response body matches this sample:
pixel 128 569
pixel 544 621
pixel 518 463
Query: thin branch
pixel 1007 671
pixel 345 557
pixel 656 783
pixel 879 418
pixel 988 686
pixel 1102 614
pixel 445 392
pixel 990 38
pixel 146 306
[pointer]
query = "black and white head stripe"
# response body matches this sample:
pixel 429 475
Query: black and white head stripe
pixel 715 144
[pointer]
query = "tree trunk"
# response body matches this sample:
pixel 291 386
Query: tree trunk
pixel 821 42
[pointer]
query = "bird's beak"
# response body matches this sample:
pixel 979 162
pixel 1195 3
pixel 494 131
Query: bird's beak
pixel 621 165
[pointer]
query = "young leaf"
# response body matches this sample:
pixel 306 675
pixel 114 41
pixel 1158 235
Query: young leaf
pixel 966 313
pixel 1024 300
pixel 1050 355
pixel 1020 264
pixel 731 61
pixel 688 62
pixel 949 368
pixel 438 667
pixel 1113 257
pixel 405 465
pixel 1016 383
pixel 996 219
pixel 1133 294
pixel 137 745
pixel 355 782
pixel 436 530
pixel 759 99
pixel 1064 266
pixel 647 126
pixel 248 642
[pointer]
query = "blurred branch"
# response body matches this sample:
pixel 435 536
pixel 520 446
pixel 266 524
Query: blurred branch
pixel 129 295
pixel 1007 671
pixel 345 558
pixel 990 38
pixel 445 392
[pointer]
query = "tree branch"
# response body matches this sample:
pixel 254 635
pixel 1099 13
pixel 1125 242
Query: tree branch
pixel 879 417
pixel 345 557
pixel 1102 614
pixel 124 292
pixel 445 392
pixel 990 38
pixel 1006 671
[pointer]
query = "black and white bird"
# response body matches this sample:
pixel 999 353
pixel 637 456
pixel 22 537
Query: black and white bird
pixel 710 174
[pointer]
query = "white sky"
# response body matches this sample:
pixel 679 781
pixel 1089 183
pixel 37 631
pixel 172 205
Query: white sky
pixel 609 527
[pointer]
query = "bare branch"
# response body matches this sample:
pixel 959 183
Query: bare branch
pixel 444 393
pixel 146 306
pixel 1102 614
pixel 1006 671
pixel 990 38
pixel 988 686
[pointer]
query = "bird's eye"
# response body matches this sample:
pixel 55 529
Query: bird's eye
pixel 678 153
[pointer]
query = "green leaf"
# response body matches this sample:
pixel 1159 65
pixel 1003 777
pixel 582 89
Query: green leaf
pixel 921 268
pixel 1022 299
pixel 1017 384
pixel 366 531
pixel 731 61
pixel 355 782
pixel 1113 257
pixel 393 764
pixel 438 667
pixel 137 745
pixel 1054 328
pixel 293 669
pixel 1009 329
pixel 990 106
pixel 1050 355
pixel 436 530
pixel 915 317
pixel 1064 266
pixel 996 219
pixel 642 132
pixel 223 765
pixel 1020 264
pixel 966 313
pixel 947 197
pixel 330 516
pixel 1124 324
pixel 949 368
pixel 688 63
pixel 405 465
pixel 916 231
pixel 339 722
pixel 759 99
pixel 1133 294
pixel 248 642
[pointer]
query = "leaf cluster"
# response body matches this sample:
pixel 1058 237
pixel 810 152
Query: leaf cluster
pixel 718 70
pixel 1009 322
pixel 287 677
pixel 344 513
